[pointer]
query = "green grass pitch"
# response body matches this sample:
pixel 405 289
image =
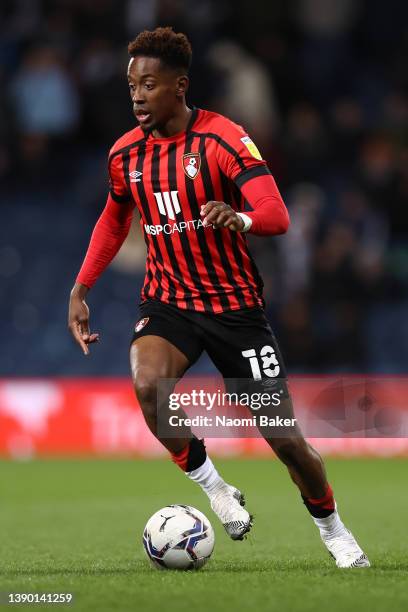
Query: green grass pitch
pixel 76 526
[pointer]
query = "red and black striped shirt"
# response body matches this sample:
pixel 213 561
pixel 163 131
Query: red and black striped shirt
pixel 168 179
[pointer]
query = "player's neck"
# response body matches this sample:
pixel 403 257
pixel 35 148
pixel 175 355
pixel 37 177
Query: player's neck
pixel 175 125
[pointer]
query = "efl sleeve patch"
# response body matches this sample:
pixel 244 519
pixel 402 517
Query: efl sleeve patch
pixel 251 146
pixel 236 152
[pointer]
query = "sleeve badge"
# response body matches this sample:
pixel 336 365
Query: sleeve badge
pixel 252 148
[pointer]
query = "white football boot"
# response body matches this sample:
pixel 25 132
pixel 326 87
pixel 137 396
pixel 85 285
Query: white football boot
pixel 344 548
pixel 340 543
pixel 227 503
pixel 346 552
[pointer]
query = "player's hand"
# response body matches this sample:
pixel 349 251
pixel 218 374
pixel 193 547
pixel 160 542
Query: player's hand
pixel 78 320
pixel 219 214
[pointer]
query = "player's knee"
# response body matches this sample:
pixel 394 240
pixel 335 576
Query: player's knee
pixel 290 450
pixel 145 386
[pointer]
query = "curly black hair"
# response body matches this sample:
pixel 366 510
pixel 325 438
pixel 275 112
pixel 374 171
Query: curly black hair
pixel 172 48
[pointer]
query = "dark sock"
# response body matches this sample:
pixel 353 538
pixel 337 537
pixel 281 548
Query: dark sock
pixel 192 456
pixel 321 507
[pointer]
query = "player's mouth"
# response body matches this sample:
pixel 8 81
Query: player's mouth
pixel 143 116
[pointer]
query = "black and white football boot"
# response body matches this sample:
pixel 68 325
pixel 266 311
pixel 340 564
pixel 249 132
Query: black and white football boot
pixel 228 504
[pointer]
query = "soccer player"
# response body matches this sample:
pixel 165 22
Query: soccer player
pixel 189 172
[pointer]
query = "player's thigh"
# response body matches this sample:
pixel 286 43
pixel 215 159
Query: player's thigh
pixel 242 345
pixel 163 345
pixel 157 356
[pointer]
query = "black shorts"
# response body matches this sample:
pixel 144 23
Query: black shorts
pixel 240 343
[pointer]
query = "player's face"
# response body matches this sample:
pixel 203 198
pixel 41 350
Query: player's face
pixel 155 91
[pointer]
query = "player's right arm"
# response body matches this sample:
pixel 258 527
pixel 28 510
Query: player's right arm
pixel 107 237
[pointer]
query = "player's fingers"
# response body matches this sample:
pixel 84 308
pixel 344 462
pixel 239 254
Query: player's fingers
pixel 230 222
pixel 223 217
pixel 93 338
pixel 76 332
pixel 84 327
pixel 212 216
pixel 213 211
pixel 207 208
pixel 235 223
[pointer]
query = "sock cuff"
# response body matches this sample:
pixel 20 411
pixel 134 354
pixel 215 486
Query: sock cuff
pixel 197 454
pixel 192 456
pixel 181 457
pixel 321 507
pixel 326 501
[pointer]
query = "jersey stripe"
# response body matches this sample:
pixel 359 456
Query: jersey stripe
pixel 146 215
pixel 169 205
pixel 149 279
pixel 186 265
pixel 126 171
pixel 220 235
pixel 205 252
pixel 247 274
pixel 225 145
pixel 119 198
pixel 116 196
pixel 211 236
pixel 126 148
pixel 237 244
pixel 190 240
pixel 250 173
pixel 168 261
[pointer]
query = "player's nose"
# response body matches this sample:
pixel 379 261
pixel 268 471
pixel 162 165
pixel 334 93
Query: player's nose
pixel 138 100
pixel 138 97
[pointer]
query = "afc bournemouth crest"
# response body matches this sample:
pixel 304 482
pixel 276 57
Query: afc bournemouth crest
pixel 192 164
pixel 140 324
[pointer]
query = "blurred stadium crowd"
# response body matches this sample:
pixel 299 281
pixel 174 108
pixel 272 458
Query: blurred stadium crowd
pixel 322 87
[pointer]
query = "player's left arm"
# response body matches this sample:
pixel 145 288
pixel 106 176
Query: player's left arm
pixel 240 160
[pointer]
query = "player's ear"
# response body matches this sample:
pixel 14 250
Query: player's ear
pixel 182 85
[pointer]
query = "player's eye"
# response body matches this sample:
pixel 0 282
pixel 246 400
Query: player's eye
pixel 149 85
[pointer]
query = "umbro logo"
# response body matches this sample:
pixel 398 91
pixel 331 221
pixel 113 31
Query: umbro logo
pixel 135 176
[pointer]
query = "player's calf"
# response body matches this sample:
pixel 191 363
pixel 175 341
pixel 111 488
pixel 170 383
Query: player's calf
pixel 304 464
pixel 226 501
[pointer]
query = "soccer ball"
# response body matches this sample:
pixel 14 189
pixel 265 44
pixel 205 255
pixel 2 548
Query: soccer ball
pixel 178 537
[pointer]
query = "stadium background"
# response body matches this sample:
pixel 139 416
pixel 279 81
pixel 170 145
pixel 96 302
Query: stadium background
pixel 321 86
